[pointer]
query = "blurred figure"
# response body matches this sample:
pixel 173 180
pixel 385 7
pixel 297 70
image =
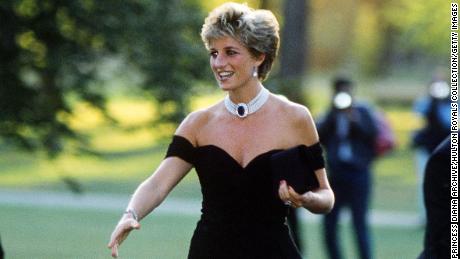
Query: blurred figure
pixel 348 132
pixel 435 111
pixel 436 189
pixel 2 254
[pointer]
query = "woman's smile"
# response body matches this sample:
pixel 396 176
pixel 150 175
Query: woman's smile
pixel 231 63
pixel 225 75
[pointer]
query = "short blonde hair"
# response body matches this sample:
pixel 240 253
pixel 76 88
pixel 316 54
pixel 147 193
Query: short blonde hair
pixel 257 30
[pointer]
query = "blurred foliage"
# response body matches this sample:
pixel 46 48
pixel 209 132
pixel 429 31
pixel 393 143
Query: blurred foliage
pixel 331 32
pixel 373 37
pixel 208 5
pixel 50 49
pixel 421 25
pixel 410 34
pixel 52 53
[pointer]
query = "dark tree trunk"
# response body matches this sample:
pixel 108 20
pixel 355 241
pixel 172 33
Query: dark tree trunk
pixel 293 49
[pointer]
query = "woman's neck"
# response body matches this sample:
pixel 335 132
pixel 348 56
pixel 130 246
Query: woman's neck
pixel 246 93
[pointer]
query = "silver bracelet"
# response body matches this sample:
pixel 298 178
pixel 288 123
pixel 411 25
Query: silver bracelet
pixel 133 213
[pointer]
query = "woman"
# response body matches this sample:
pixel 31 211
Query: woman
pixel 230 145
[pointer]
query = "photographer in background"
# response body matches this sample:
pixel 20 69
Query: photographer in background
pixel 434 109
pixel 348 132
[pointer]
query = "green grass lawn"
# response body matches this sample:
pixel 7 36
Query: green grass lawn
pixel 49 233
pixel 70 233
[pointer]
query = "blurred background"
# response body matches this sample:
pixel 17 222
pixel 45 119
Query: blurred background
pixel 91 92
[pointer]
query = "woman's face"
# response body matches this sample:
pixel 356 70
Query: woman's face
pixel 231 63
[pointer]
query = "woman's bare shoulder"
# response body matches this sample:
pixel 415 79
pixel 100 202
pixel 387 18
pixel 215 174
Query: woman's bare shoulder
pixel 296 111
pixel 299 118
pixel 195 121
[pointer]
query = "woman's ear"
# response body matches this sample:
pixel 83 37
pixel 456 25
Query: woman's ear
pixel 260 59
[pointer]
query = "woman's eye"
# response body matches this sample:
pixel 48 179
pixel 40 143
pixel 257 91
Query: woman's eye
pixel 231 52
pixel 213 54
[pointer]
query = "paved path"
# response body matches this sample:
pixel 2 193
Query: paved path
pixel 191 207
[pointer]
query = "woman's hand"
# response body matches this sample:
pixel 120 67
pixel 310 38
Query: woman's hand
pixel 121 232
pixel 318 201
pixel 290 197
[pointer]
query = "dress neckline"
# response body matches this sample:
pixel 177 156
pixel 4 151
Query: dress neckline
pixel 236 162
pixel 223 151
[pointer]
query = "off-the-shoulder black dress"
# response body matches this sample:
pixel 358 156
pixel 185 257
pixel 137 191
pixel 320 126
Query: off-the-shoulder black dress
pixel 242 214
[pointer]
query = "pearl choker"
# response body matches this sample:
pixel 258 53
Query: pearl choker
pixel 242 110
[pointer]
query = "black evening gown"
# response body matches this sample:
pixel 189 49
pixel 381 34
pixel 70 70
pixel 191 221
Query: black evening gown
pixel 242 214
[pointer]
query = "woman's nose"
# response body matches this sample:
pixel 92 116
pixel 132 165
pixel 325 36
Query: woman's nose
pixel 219 61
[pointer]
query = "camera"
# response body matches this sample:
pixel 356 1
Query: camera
pixel 342 100
pixel 439 90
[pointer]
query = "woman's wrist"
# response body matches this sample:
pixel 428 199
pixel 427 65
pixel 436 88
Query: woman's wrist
pixel 130 212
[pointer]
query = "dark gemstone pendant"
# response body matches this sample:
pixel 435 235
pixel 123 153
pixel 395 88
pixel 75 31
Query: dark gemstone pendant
pixel 242 110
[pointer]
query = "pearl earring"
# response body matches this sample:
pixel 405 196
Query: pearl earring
pixel 254 72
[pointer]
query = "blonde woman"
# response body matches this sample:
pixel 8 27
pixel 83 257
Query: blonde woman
pixel 230 144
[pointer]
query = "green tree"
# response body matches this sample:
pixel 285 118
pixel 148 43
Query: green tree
pixel 423 26
pixel 49 50
pixel 395 34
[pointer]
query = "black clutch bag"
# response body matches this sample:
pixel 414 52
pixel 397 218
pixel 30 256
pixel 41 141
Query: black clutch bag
pixel 296 167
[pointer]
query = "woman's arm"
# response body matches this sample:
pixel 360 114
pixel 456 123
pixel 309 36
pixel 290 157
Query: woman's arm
pixel 320 200
pixel 147 197
pixel 154 189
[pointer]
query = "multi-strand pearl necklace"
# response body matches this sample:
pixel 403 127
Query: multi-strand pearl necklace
pixel 242 110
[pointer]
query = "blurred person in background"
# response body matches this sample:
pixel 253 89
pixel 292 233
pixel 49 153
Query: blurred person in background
pixel 348 131
pixel 2 254
pixel 434 109
pixel 436 190
pixel 231 145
